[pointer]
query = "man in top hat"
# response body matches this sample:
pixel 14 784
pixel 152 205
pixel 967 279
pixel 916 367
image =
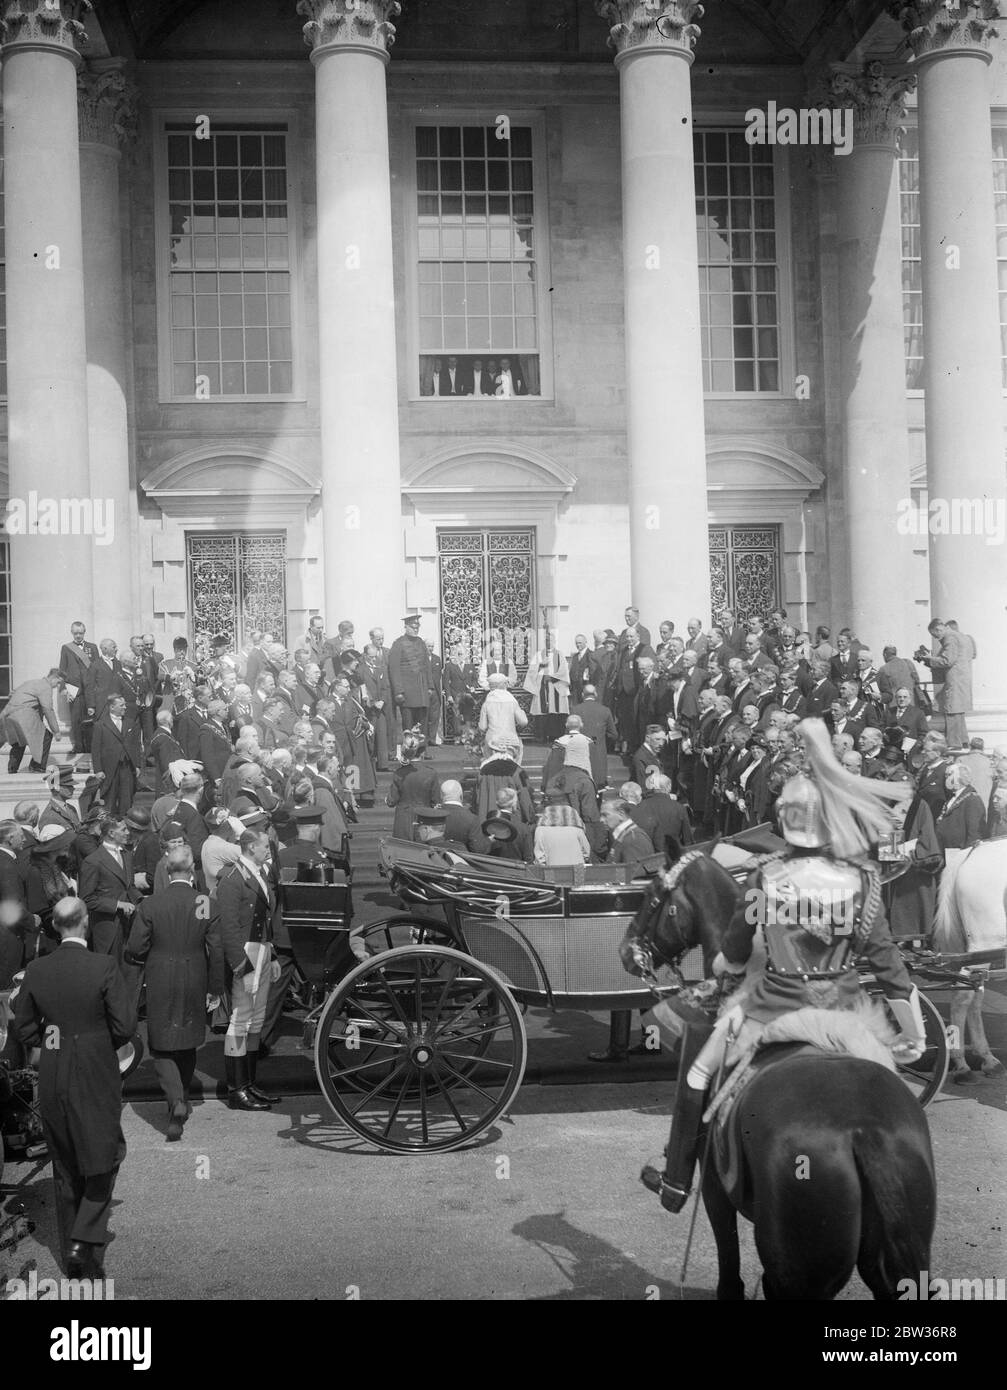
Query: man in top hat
pixel 146 847
pixel 75 660
pixel 409 675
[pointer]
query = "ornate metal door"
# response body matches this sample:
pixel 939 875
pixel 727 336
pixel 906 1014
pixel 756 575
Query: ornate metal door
pixel 236 583
pixel 744 569
pixel 487 584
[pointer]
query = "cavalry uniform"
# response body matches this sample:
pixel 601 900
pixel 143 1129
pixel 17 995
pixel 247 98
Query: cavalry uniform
pixel 246 904
pixel 818 911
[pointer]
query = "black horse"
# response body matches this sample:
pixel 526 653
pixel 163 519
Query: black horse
pixel 837 1168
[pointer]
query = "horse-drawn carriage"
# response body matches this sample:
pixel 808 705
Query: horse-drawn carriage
pixel 417 1025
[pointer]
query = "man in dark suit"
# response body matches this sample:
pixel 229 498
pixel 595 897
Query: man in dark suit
pixel 191 719
pixel 843 665
pixel 743 691
pixel 791 699
pixel 18 927
pixel 630 844
pixel 108 887
pixel 163 751
pixel 930 785
pixel 660 816
pixel 76 658
pixel 633 644
pixel 115 753
pixel 823 691
pixel 177 942
pixel 75 1008
pixel 461 825
pixel 860 710
pixel 436 686
pixel 133 688
pixel 651 753
pixel 906 715
pixel 840 721
pixel 459 706
pixel 734 633
pixel 583 668
pixel 214 745
pixel 102 678
pixel 247 905
pixel 599 726
pixel 190 811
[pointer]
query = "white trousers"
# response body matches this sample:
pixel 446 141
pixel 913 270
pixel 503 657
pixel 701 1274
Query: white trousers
pixel 248 1013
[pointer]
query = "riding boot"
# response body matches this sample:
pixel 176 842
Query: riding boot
pixel 673 1185
pixel 252 1060
pixel 618 1038
pixel 239 1097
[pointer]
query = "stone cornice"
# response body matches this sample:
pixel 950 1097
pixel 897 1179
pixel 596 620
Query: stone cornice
pixel 935 26
pixel 363 24
pixel 877 95
pixel 106 104
pixel 47 23
pixel 651 25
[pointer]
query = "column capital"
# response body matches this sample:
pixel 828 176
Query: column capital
pixel 53 24
pixel 106 104
pixel 877 95
pixel 935 27
pixel 651 26
pixel 365 25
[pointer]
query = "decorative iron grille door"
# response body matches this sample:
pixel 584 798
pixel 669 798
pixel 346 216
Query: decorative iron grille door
pixel 487 585
pixel 237 583
pixel 744 569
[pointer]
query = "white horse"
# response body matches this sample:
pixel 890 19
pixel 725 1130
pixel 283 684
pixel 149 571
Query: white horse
pixel 972 916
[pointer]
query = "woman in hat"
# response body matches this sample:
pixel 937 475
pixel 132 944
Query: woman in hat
pixel 49 877
pixel 412 785
pixel 500 769
pixel 560 838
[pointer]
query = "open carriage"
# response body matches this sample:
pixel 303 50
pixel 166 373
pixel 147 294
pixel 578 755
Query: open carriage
pixel 418 1033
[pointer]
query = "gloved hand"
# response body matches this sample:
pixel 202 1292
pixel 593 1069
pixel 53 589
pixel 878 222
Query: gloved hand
pixel 248 982
pixel 722 966
pixel 274 971
pixel 912 1040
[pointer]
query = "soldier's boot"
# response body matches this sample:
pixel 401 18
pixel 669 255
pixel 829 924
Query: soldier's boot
pixel 252 1060
pixel 239 1097
pixel 618 1038
pixel 674 1185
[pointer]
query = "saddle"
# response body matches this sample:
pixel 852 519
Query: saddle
pixel 824 1033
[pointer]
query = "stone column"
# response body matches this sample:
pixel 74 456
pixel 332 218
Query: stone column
pixel 107 112
pixel 361 486
pixel 666 441
pixel 875 422
pixel 47 360
pixel 962 381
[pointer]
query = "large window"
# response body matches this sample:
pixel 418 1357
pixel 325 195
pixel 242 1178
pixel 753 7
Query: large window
pixel 912 268
pixel 478 261
pixel 230 278
pixel 738 270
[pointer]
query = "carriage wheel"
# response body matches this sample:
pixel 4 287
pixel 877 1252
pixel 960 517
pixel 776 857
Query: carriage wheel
pixel 406 929
pixel 925 1077
pixel 420 1049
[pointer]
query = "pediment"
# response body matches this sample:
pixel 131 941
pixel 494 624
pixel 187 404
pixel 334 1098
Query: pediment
pixel 759 465
pixel 484 468
pixel 230 473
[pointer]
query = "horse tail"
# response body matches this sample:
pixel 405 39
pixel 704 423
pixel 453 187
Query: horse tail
pixel 896 1224
pixel 949 934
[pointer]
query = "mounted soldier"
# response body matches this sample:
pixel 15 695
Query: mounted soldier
pixel 819 905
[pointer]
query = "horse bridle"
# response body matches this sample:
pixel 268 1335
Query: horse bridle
pixel 644 947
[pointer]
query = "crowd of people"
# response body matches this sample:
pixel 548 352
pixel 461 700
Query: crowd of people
pixel 212 779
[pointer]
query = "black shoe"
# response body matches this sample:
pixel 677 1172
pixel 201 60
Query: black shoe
pixel 176 1122
pixel 673 1198
pixel 239 1094
pixel 252 1059
pixel 84 1261
pixel 608 1056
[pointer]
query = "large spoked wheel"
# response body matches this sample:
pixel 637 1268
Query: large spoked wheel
pixel 420 1049
pixel 926 1076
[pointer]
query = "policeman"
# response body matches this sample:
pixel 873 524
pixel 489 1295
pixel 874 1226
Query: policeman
pixel 818 903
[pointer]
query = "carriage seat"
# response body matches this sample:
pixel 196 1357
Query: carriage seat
pixel 318 918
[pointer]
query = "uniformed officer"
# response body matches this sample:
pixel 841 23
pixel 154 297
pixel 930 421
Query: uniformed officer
pixel 73 1004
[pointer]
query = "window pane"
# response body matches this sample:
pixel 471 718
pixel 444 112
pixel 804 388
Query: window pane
pixel 223 234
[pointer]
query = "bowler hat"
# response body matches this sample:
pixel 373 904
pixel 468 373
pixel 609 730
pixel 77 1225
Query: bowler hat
pixel 137 818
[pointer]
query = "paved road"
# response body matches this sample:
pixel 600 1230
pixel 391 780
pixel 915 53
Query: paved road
pixel 283 1205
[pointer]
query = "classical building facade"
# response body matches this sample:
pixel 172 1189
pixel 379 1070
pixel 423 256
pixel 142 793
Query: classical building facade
pixel 507 314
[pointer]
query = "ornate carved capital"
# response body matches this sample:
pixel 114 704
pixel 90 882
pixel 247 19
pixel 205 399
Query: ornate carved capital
pixel 106 104
pixel 935 25
pixel 358 23
pixel 651 24
pixel 54 23
pixel 878 97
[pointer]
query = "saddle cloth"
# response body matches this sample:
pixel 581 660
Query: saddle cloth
pixel 826 1033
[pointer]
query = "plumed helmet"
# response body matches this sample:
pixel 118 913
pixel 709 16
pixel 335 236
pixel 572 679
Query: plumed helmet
pixel 799 809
